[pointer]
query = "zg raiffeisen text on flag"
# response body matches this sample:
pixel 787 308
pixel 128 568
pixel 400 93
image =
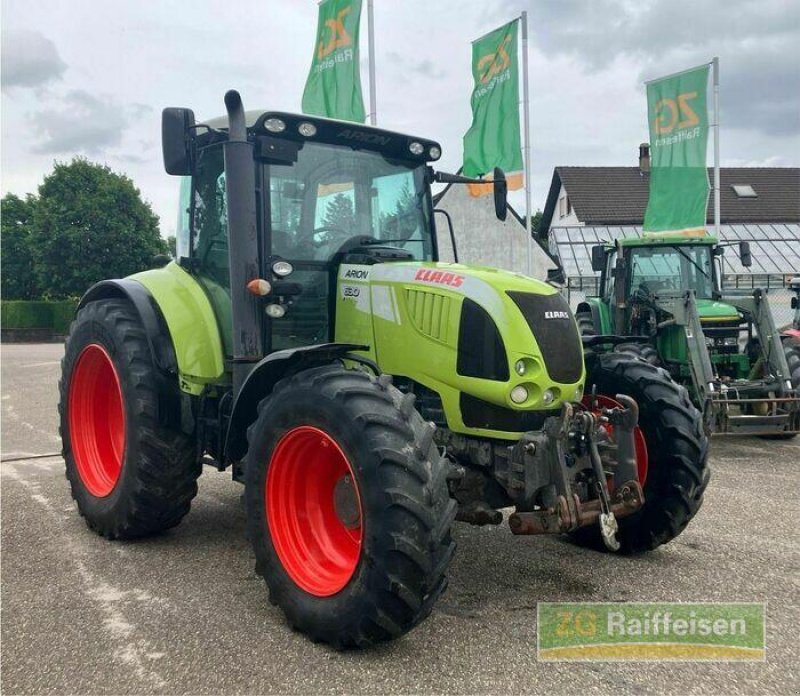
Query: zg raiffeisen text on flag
pixel 493 139
pixel 678 119
pixel 333 88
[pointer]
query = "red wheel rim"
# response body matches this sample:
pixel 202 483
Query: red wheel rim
pixel 96 420
pixel 314 511
pixel 638 436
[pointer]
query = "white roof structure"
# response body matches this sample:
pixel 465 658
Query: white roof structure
pixel 775 248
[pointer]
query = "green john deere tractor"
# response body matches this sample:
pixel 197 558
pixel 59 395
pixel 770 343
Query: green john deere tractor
pixel 660 299
pixel 792 334
pixel 364 393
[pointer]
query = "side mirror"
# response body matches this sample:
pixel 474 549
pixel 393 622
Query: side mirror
pixel 500 194
pixel 556 276
pixel 744 254
pixel 598 257
pixel 176 141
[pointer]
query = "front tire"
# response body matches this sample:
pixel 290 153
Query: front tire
pixel 347 506
pixel 677 449
pixel 130 475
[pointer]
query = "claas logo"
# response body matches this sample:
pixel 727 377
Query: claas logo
pixel 668 111
pixel 338 36
pixel 494 63
pixel 440 277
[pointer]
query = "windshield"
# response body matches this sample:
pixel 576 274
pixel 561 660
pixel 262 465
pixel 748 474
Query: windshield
pixel 671 269
pixel 332 194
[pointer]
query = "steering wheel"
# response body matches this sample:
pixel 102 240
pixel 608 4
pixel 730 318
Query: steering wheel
pixel 323 230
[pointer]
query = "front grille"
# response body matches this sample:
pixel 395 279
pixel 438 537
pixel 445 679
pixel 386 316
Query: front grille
pixel 554 329
pixel 481 352
pixel 722 336
pixel 477 413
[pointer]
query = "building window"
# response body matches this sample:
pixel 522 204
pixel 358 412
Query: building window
pixel 744 191
pixel 562 206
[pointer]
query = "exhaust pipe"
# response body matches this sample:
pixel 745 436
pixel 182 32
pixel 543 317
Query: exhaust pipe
pixel 240 197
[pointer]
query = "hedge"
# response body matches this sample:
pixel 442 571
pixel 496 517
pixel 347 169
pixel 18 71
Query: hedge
pixel 37 314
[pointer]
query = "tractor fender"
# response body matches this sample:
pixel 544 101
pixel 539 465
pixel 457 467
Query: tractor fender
pixel 162 351
pixel 264 376
pixel 791 335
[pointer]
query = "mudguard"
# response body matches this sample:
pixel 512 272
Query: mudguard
pixel 262 379
pixel 158 337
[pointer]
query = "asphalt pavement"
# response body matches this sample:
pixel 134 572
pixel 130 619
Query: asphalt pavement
pixel 185 613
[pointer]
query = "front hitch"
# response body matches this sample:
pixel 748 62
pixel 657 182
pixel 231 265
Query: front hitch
pixel 557 447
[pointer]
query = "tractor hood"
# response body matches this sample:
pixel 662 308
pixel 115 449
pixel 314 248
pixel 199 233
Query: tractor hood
pixel 471 334
pixel 711 311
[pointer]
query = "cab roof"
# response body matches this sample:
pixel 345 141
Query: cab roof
pixel 335 132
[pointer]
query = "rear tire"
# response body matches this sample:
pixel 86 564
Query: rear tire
pixel 130 475
pixel 792 352
pixel 402 524
pixel 585 323
pixel 643 351
pixel 677 448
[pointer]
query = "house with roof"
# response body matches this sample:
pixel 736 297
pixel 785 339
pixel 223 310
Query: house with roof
pixel 589 205
pixel 613 196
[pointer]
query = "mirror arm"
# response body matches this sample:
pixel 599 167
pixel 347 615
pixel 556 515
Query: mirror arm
pixel 452 233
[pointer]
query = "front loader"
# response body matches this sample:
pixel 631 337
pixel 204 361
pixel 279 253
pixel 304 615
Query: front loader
pixel 308 339
pixel 661 299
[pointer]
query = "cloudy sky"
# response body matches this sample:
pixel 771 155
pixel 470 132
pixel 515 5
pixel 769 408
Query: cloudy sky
pixel 90 77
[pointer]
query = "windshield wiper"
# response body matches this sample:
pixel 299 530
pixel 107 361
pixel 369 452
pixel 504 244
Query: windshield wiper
pixel 689 259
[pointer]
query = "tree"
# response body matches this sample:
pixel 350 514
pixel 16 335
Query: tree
pixel 172 246
pixel 536 225
pixel 90 224
pixel 339 213
pixel 19 276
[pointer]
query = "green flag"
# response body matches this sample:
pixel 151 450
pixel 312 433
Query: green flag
pixel 493 139
pixel 333 88
pixel 678 118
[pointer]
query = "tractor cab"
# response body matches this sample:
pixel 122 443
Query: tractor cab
pixel 635 272
pixel 327 190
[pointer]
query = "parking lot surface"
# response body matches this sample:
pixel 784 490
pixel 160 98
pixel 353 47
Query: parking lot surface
pixel 185 613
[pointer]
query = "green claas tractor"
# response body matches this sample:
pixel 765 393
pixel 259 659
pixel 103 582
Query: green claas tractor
pixel 660 299
pixel 364 393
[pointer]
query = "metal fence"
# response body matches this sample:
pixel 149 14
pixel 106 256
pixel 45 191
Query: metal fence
pixel 777 287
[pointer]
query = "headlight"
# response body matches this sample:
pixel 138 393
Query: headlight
pixel 275 311
pixel 275 125
pixel 307 129
pixel 578 395
pixel 519 395
pixel 416 148
pixel 548 396
pixel 519 368
pixel 434 153
pixel 282 268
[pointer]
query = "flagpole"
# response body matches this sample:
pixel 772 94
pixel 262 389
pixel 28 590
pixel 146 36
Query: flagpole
pixel 373 112
pixel 715 65
pixel 527 142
